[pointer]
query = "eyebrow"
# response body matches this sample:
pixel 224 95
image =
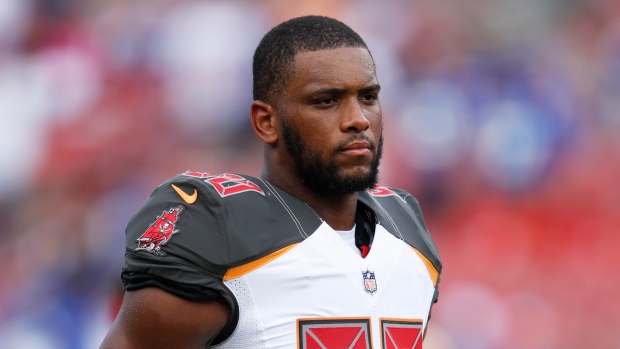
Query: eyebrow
pixel 370 88
pixel 337 90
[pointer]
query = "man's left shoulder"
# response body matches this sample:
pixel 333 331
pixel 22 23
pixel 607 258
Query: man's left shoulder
pixel 400 214
pixel 392 199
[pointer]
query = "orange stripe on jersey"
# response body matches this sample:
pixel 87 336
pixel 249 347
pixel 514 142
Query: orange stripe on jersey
pixel 248 267
pixel 431 268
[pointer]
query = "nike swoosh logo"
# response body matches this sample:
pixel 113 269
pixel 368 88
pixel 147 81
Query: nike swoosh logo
pixel 190 199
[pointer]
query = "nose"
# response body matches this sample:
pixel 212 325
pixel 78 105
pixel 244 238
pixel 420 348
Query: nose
pixel 353 117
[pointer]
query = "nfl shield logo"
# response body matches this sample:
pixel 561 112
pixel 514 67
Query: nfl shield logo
pixel 370 284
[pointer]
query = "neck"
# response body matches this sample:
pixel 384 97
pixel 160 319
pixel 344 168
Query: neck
pixel 337 210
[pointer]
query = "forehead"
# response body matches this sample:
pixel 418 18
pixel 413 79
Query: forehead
pixel 340 67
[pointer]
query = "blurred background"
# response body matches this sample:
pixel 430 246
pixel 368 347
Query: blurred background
pixel 501 116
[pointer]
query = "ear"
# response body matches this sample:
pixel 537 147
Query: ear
pixel 264 121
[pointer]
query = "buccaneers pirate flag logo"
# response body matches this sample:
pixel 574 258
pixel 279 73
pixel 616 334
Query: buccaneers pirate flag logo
pixel 159 232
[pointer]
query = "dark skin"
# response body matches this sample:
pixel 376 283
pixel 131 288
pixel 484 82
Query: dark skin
pixel 332 100
pixel 152 318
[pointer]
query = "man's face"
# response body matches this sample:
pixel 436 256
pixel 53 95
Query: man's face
pixel 331 120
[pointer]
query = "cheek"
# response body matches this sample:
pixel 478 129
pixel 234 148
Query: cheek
pixel 317 130
pixel 320 139
pixel 372 112
pixel 376 122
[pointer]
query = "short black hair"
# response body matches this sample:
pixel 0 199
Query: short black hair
pixel 273 58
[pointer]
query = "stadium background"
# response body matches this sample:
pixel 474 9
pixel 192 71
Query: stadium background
pixel 501 116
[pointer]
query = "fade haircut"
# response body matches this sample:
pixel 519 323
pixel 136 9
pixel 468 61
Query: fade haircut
pixel 272 67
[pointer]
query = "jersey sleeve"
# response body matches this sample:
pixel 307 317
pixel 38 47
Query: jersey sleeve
pixel 427 246
pixel 422 241
pixel 177 241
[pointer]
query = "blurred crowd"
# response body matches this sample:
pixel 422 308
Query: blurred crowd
pixel 501 116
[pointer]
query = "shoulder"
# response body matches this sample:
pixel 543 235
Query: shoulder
pixel 230 218
pixel 400 213
pixel 394 206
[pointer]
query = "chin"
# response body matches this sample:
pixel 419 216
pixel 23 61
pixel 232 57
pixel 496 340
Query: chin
pixel 357 174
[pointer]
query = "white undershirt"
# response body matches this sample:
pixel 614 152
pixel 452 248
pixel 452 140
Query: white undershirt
pixel 349 238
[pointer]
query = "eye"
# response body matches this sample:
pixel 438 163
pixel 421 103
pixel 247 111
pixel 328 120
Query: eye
pixel 369 97
pixel 327 101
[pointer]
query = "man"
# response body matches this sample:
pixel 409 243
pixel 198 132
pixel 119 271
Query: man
pixel 313 254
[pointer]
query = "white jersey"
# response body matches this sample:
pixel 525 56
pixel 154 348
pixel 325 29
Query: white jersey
pixel 291 280
pixel 321 283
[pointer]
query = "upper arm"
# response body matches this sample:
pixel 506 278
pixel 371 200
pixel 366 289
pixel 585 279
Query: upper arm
pixel 152 318
pixel 175 258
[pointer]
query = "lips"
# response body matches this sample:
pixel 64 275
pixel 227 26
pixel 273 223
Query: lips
pixel 356 148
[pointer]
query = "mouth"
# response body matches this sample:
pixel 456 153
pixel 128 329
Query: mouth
pixel 356 148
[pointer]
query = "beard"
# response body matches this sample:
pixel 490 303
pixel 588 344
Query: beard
pixel 324 176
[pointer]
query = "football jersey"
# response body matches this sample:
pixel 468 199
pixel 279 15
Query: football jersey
pixel 291 281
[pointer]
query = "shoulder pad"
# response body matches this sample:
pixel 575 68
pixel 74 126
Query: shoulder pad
pixel 399 213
